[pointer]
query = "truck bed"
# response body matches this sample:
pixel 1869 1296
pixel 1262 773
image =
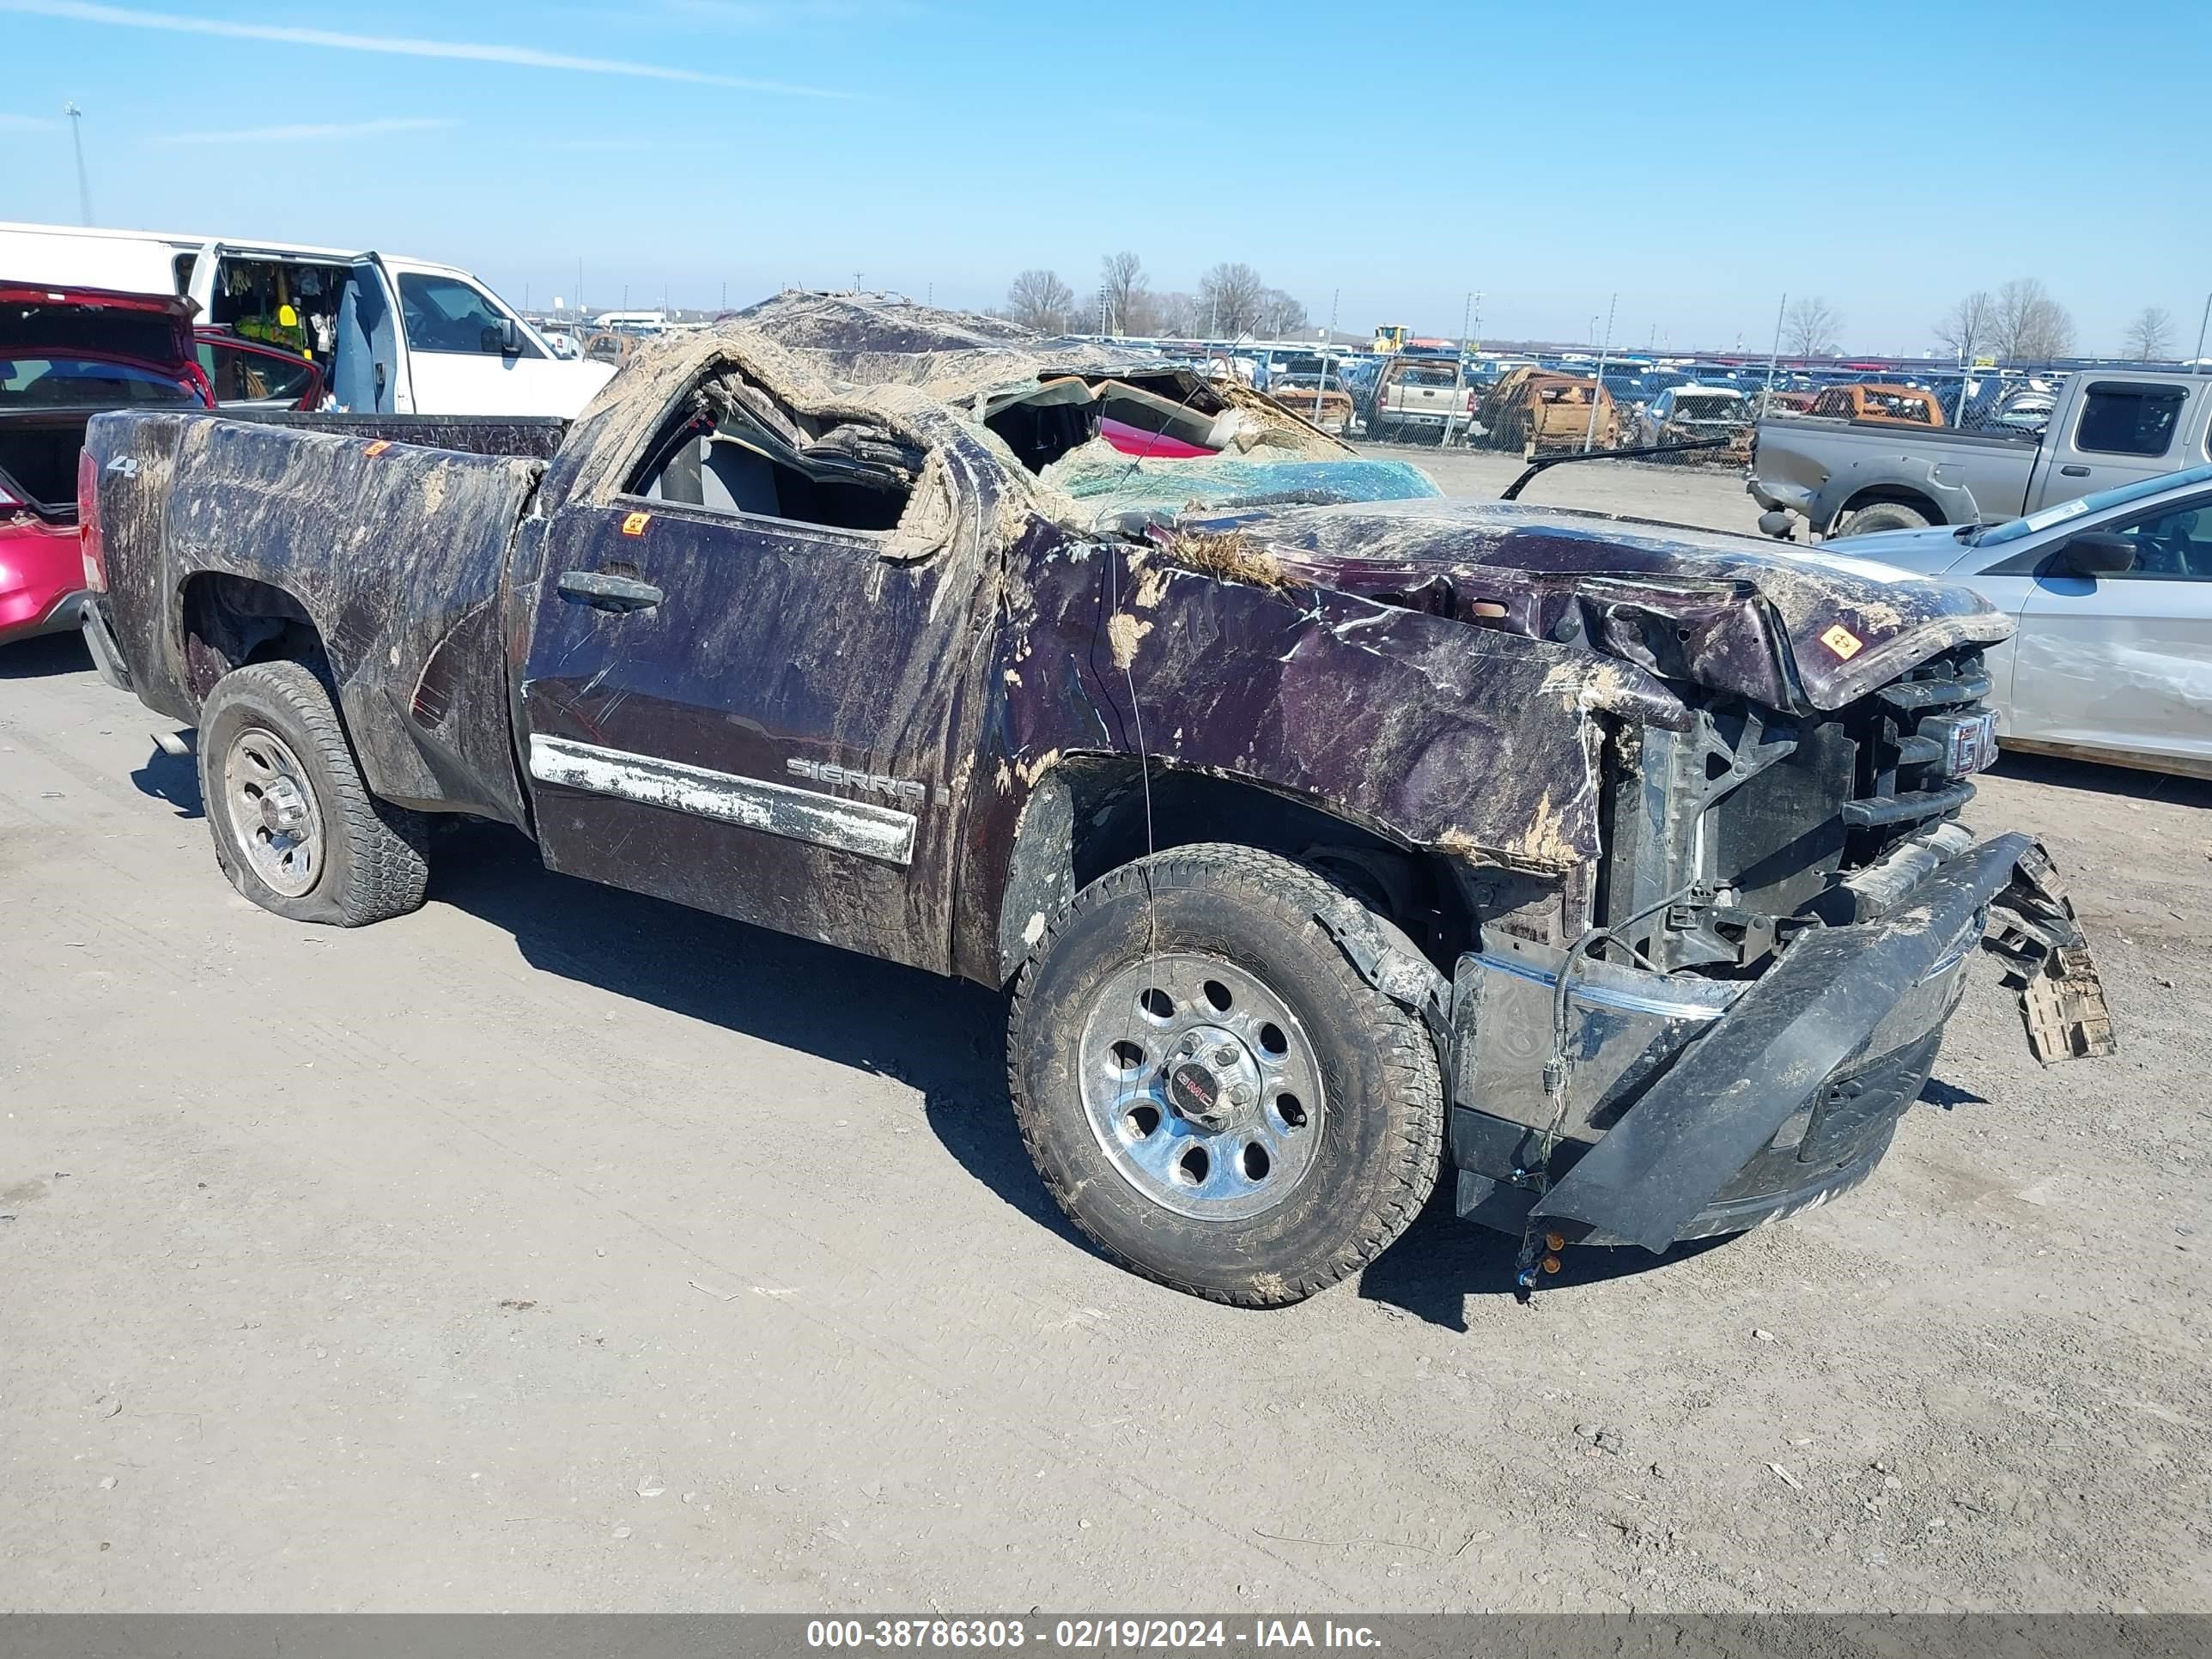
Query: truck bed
pixel 1818 462
pixel 219 533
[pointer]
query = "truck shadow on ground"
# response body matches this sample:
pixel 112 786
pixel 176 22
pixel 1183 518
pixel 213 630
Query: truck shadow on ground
pixel 173 778
pixel 942 1038
pixel 48 656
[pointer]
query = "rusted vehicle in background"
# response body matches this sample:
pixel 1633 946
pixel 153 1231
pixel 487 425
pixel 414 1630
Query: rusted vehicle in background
pixel 1312 388
pixel 1719 416
pixel 1894 406
pixel 1322 833
pixel 1534 409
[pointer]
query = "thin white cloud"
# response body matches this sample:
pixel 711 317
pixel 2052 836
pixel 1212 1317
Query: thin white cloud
pixel 308 132
pixel 788 13
pixel 24 122
pixel 81 11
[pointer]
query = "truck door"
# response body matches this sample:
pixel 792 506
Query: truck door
pixel 745 691
pixel 2124 663
pixel 2117 431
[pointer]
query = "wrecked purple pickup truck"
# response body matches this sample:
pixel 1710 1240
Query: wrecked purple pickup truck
pixel 1313 824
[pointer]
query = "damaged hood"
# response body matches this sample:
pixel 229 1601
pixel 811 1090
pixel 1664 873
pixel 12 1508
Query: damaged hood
pixel 1783 626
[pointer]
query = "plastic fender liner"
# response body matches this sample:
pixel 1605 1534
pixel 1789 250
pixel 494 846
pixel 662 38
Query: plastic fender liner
pixel 1732 1088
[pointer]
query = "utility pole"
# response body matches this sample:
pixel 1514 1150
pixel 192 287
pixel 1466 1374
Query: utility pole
pixel 1598 390
pixel 726 293
pixel 1326 341
pixel 1773 357
pixel 77 138
pixel 1459 370
pixel 579 288
pixel 2197 367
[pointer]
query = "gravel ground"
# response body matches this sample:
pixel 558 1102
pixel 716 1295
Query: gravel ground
pixel 554 1249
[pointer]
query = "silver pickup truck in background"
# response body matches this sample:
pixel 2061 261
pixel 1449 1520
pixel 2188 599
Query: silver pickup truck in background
pixel 1849 478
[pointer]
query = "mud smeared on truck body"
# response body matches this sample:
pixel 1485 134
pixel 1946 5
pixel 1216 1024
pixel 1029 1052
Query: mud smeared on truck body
pixel 917 726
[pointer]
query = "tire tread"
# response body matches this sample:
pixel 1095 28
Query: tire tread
pixel 1407 1055
pixel 387 873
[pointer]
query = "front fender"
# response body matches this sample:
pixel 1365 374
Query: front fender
pixel 1427 731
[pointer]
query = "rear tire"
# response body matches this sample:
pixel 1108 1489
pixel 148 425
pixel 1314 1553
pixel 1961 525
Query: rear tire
pixel 1885 515
pixel 295 828
pixel 1207 966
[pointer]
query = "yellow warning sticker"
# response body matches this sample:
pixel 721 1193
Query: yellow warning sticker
pixel 1841 641
pixel 633 524
pixel 378 447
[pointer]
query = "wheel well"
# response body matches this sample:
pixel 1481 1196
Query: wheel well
pixel 230 621
pixel 1896 493
pixel 1092 815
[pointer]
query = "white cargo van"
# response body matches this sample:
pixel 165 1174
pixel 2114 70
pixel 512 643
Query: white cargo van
pixel 393 336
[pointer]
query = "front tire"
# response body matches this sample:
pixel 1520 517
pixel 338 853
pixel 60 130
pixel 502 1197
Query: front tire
pixel 1211 1090
pixel 295 828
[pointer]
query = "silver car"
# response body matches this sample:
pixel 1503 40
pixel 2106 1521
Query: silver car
pixel 2112 595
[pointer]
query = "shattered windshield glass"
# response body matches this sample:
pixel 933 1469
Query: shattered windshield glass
pixel 1113 483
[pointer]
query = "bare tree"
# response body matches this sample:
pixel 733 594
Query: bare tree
pixel 1284 314
pixel 2151 335
pixel 1177 316
pixel 1231 299
pixel 1810 328
pixel 1968 327
pixel 1129 293
pixel 2031 326
pixel 1039 300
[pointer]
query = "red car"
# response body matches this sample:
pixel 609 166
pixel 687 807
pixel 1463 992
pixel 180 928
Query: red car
pixel 66 354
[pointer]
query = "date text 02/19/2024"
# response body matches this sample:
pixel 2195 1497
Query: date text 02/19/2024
pixel 1082 1634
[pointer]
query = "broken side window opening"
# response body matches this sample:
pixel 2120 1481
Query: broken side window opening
pixel 737 451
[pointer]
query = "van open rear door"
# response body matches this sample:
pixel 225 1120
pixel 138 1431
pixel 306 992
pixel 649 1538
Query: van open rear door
pixel 369 372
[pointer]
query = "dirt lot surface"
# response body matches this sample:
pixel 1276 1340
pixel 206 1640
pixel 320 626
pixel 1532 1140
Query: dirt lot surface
pixel 1709 496
pixel 553 1249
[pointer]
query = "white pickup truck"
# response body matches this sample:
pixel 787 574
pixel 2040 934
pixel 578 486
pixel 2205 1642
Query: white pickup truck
pixel 392 335
pixel 1845 477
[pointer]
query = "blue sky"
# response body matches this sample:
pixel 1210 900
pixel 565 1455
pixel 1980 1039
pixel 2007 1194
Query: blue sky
pixel 1700 160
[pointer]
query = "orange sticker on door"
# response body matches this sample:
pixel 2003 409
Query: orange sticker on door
pixel 633 524
pixel 1841 641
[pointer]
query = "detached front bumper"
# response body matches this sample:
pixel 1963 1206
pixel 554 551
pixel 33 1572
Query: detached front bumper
pixel 1695 1107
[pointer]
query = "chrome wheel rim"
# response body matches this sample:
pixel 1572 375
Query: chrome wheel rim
pixel 1202 1086
pixel 275 821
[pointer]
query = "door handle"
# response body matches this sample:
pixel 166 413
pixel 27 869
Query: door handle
pixel 604 593
pixel 2075 471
